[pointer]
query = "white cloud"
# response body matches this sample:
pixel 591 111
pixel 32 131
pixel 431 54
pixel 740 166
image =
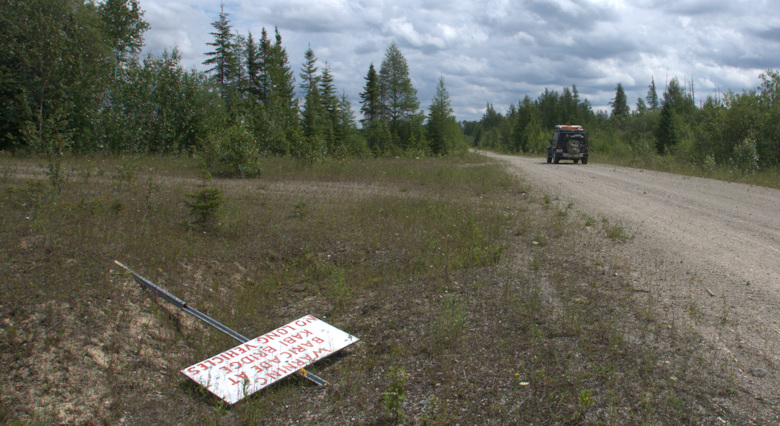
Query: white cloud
pixel 500 50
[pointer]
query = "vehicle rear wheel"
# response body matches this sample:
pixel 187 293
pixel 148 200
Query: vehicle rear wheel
pixel 549 159
pixel 584 160
pixel 576 160
pixel 556 159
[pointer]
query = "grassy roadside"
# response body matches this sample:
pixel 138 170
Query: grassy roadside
pixel 476 299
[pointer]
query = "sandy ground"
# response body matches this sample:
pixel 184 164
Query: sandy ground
pixel 708 250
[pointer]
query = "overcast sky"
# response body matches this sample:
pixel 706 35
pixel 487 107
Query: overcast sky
pixel 498 51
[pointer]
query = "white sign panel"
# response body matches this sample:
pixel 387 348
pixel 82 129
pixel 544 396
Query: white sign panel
pixel 258 363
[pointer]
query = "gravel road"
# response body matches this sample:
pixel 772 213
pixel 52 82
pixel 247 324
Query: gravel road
pixel 707 248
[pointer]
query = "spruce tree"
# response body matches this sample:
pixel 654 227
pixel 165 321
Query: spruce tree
pixel 222 59
pixel 440 118
pixel 281 105
pixel 652 95
pixel 370 105
pixel 312 105
pixel 667 133
pixel 328 108
pixel 619 103
pixel 254 70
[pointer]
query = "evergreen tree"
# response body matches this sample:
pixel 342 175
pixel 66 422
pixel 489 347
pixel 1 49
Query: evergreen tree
pixel 550 106
pixel 398 96
pixel 370 99
pixel 240 80
pixel 440 119
pixel 222 59
pixel 641 106
pixel 681 102
pixel 312 104
pixel 524 112
pixel 266 62
pixel 329 104
pixel 652 95
pixel 280 124
pixel 255 70
pixel 667 133
pixel 619 103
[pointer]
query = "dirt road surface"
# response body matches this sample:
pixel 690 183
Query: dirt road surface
pixel 709 250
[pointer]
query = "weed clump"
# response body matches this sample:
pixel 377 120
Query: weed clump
pixel 394 396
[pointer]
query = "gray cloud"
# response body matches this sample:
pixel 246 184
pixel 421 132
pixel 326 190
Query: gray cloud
pixel 498 51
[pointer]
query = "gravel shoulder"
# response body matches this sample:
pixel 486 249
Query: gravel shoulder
pixel 708 250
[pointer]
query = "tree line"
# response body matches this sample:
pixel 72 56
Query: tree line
pixel 71 80
pixel 737 130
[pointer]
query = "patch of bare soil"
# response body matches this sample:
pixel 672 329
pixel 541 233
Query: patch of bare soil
pixel 707 251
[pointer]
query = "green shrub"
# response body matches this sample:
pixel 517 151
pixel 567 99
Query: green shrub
pixel 204 206
pixel 233 151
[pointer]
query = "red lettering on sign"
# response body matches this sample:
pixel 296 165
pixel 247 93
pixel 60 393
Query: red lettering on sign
pixel 219 359
pixel 276 360
pixel 271 335
pixel 235 365
pixel 257 368
pixel 266 365
pixel 225 369
pixel 193 369
pixel 287 355
pixel 318 340
pixel 230 354
pixel 262 381
pixel 309 319
pixel 248 346
pixel 308 333
pixel 300 323
pixel 269 349
pixel 297 350
pixel 320 351
pixel 274 375
pixel 203 366
pixel 247 360
pixel 308 344
pixel 241 376
pixel 262 340
pixel 289 341
pixel 241 350
pixel 282 331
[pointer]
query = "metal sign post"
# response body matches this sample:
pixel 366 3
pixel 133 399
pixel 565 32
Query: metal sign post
pixel 265 359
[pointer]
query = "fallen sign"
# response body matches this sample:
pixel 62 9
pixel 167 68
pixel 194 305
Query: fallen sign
pixel 257 363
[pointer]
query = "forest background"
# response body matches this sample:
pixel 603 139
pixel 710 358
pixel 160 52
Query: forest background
pixel 71 80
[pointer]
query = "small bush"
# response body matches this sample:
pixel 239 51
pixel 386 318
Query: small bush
pixel 745 155
pixel 394 396
pixel 232 151
pixel 204 206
